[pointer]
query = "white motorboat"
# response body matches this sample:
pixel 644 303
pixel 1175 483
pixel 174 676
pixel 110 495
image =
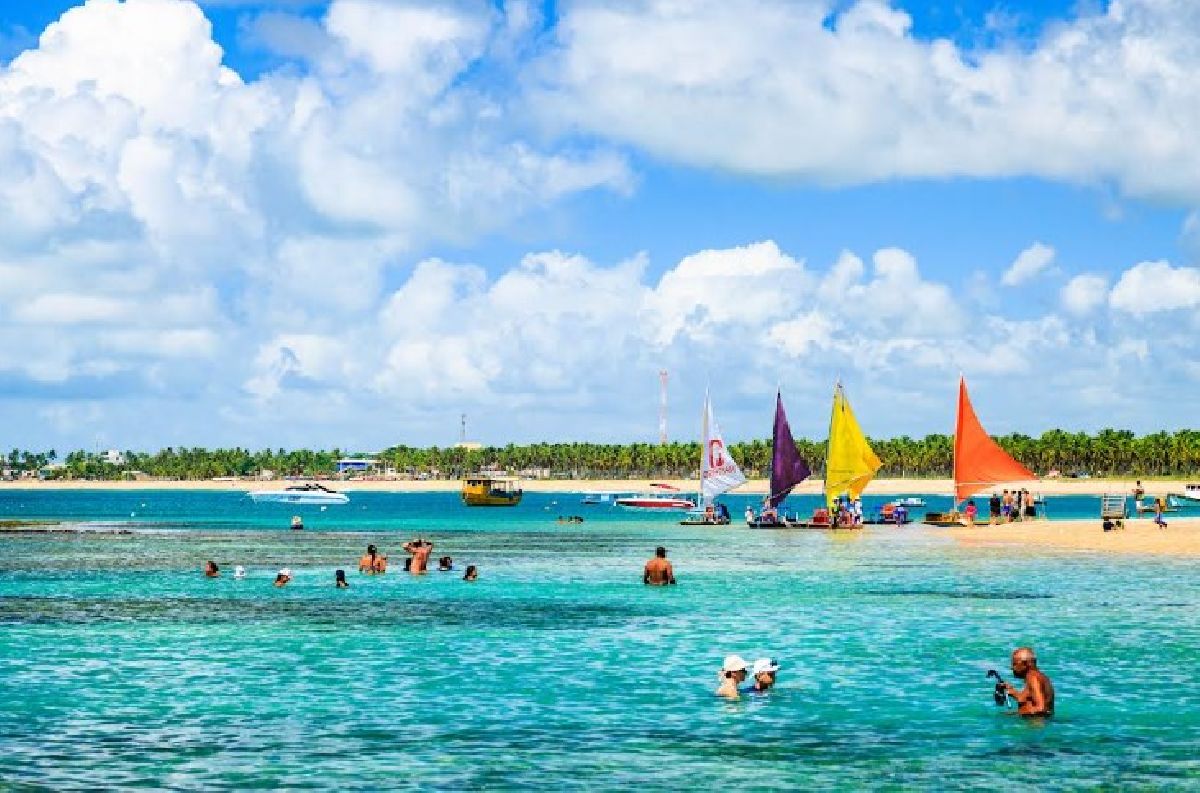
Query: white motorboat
pixel 308 493
pixel 1190 493
pixel 910 501
pixel 663 498
pixel 596 497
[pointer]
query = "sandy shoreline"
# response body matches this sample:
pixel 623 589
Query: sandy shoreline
pixel 1050 487
pixel 1181 538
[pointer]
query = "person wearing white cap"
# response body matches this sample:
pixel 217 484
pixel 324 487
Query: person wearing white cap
pixel 763 672
pixel 285 575
pixel 733 672
pixel 239 572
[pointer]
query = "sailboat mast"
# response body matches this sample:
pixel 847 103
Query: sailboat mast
pixel 703 450
pixel 837 387
pixel 957 433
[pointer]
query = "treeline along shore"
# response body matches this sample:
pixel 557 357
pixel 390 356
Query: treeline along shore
pixel 1108 453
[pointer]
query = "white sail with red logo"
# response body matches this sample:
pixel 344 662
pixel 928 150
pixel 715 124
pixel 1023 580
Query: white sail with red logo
pixel 719 472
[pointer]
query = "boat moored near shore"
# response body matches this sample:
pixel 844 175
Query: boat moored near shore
pixel 486 490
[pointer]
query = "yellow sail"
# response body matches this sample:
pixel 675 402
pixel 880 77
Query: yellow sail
pixel 850 463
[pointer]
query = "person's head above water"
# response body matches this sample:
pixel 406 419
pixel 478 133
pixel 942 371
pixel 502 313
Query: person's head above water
pixel 763 672
pixel 339 578
pixel 1023 659
pixel 472 573
pixel 660 552
pixel 211 570
pixel 734 666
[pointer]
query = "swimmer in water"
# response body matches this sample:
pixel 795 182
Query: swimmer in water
pixel 339 579
pixel 285 576
pixel 658 570
pixel 763 673
pixel 367 563
pixel 733 672
pixel 472 573
pixel 211 570
pixel 445 563
pixel 420 550
pixel 1037 698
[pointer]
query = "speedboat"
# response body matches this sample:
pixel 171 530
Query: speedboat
pixel 307 493
pixel 595 497
pixel 655 501
pixel 910 501
pixel 665 498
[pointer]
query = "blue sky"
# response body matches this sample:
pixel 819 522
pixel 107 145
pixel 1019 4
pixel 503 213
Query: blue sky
pixel 367 216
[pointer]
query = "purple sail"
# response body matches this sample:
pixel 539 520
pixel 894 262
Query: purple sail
pixel 788 468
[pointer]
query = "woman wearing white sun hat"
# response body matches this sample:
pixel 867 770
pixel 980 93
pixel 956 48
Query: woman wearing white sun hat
pixel 763 672
pixel 733 671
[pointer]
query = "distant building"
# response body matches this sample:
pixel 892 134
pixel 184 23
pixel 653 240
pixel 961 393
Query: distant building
pixel 357 464
pixel 471 446
pixel 113 457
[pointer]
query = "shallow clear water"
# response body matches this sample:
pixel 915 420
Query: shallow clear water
pixel 121 664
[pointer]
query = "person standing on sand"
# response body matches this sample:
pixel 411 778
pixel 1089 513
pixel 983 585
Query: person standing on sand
pixel 994 510
pixel 1159 507
pixel 970 512
pixel 1139 493
pixel 1037 698
pixel 419 550
pixel 658 570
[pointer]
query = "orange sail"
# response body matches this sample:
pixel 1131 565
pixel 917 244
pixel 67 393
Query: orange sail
pixel 979 462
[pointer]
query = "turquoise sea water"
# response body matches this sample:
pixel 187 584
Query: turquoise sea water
pixel 120 664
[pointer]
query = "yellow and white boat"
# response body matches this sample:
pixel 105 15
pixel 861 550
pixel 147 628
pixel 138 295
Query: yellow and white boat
pixel 486 490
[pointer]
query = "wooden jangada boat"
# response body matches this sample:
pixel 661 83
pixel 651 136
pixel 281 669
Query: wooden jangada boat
pixel 788 469
pixel 719 472
pixel 850 464
pixel 979 462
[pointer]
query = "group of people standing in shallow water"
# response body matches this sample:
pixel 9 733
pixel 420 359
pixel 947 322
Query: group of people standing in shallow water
pixel 372 563
pixel 1036 699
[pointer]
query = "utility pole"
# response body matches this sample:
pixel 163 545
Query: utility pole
pixel 662 407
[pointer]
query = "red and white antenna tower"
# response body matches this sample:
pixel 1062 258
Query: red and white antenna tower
pixel 662 407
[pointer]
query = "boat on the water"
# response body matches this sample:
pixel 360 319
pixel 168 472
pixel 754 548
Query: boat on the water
pixel 850 465
pixel 979 462
pixel 719 473
pixel 893 513
pixel 788 469
pixel 1190 492
pixel 909 501
pixel 307 493
pixel 664 498
pixel 599 497
pixel 489 490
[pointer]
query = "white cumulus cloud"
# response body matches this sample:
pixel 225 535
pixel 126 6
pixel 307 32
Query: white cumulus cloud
pixel 1151 287
pixel 846 93
pixel 1084 293
pixel 1029 263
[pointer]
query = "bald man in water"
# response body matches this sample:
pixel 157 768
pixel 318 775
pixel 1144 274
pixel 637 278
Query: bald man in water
pixel 1037 698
